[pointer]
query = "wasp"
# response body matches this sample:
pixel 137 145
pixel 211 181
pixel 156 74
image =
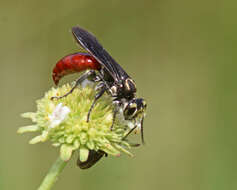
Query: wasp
pixel 109 77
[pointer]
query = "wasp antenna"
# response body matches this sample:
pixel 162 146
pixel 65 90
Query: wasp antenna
pixel 142 133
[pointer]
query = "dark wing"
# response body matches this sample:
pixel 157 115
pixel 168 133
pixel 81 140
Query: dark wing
pixel 90 43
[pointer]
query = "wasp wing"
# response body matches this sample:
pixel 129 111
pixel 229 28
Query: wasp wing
pixel 91 44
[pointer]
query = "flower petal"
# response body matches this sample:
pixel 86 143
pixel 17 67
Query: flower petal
pixel 30 128
pixel 66 152
pixel 84 153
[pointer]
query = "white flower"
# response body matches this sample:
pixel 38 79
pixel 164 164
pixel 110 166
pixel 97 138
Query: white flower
pixel 59 114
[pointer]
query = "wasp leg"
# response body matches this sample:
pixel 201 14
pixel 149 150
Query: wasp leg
pixel 142 133
pixel 97 96
pixel 129 132
pixel 114 117
pixel 134 144
pixel 88 75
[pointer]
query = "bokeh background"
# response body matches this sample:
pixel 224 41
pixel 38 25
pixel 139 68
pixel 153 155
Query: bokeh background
pixel 182 55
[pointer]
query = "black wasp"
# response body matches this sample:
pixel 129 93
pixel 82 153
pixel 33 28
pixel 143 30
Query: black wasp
pixel 110 78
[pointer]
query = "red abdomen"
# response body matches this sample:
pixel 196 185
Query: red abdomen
pixel 73 63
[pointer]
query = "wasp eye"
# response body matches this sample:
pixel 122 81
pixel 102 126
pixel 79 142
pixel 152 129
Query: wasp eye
pixel 131 111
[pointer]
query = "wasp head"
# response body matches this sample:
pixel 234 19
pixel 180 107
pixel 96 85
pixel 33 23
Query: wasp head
pixel 134 108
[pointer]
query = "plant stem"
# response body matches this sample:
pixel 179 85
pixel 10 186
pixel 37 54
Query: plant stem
pixel 52 175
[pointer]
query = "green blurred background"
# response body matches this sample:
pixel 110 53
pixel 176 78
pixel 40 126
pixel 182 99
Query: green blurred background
pixel 182 55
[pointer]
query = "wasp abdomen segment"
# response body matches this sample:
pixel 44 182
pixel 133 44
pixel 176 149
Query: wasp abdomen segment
pixel 73 63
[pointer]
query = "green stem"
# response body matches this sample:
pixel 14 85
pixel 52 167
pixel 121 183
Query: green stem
pixel 52 175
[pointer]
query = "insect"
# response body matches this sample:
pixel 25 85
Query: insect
pixel 93 157
pixel 109 76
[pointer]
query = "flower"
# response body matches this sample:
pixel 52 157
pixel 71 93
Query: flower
pixel 63 122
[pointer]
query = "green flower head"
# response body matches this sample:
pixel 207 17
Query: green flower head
pixel 63 122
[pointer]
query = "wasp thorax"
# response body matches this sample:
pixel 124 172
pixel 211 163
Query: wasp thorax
pixel 134 107
pixel 129 86
pixel 124 89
